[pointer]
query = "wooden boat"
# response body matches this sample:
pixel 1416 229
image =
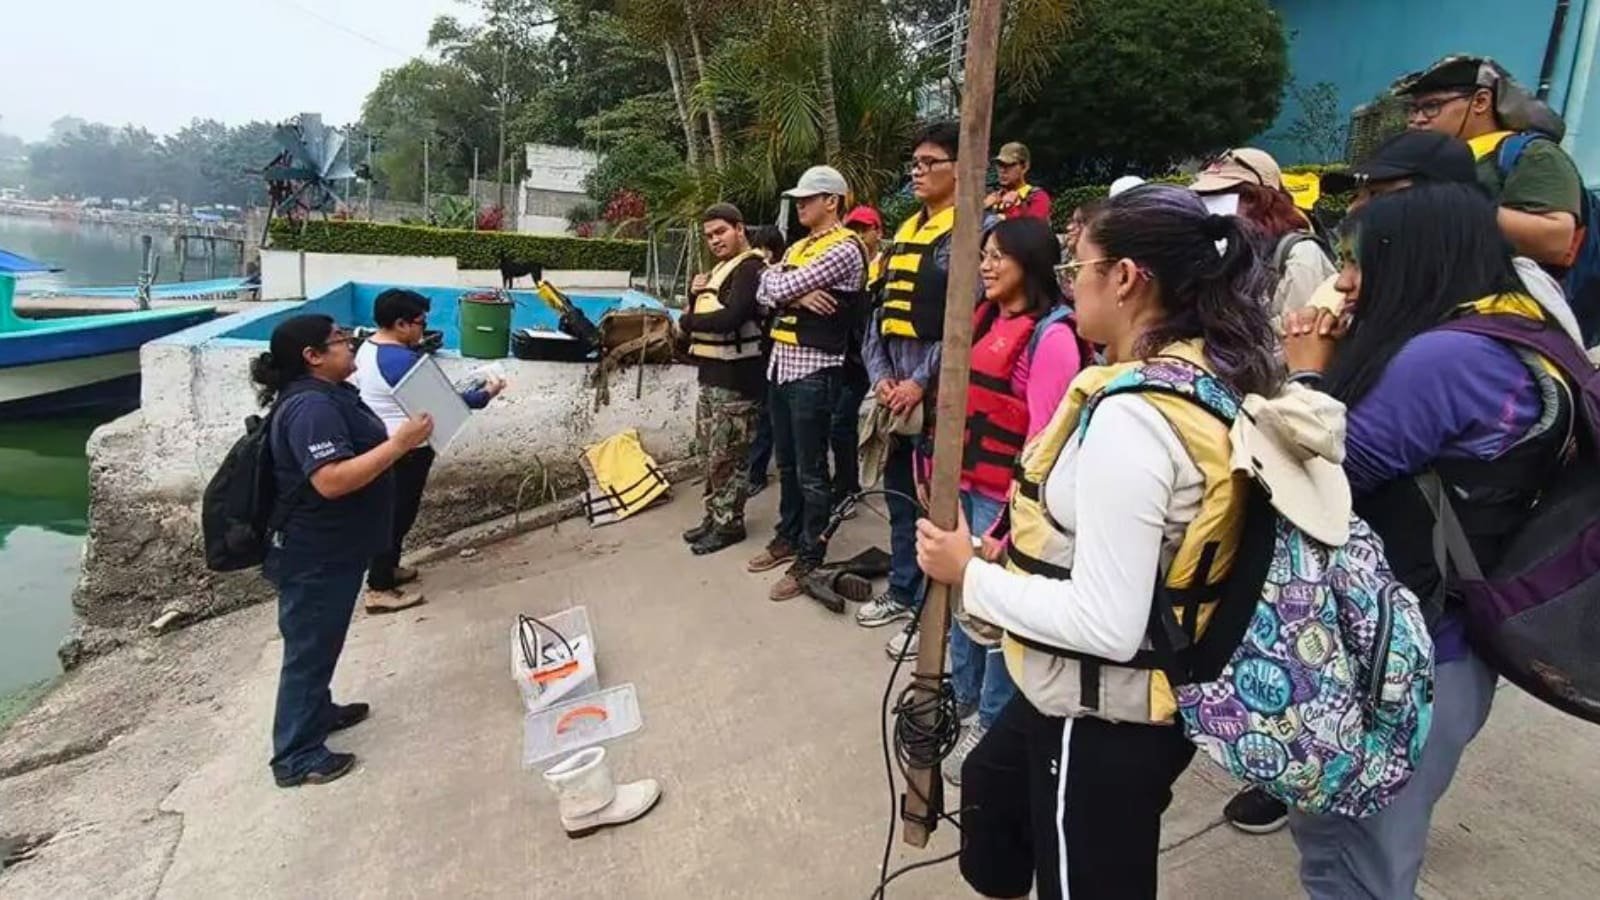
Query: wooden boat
pixel 54 366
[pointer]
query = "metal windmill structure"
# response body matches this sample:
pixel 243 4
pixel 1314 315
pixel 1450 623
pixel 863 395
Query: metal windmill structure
pixel 301 180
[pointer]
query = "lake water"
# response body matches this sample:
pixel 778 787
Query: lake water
pixel 44 501
pixel 44 486
pixel 90 254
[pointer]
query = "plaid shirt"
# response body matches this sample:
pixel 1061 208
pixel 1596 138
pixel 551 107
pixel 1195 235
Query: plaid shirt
pixel 840 268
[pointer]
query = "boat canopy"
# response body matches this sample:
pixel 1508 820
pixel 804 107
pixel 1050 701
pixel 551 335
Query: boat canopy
pixel 16 264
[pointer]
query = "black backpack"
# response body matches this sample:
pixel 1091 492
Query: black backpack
pixel 237 515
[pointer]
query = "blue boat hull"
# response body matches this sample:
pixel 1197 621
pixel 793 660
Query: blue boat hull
pixel 50 345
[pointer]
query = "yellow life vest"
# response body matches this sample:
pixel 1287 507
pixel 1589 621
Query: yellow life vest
pixel 796 326
pixel 913 299
pixel 743 342
pixel 1060 682
pixel 1485 144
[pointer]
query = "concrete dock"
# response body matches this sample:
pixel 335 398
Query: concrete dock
pixel 145 774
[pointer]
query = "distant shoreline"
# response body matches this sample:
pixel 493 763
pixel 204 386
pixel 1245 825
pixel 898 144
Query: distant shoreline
pixel 117 218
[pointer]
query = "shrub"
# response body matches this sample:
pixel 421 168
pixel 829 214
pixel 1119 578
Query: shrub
pixel 472 249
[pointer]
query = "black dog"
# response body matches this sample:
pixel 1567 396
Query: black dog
pixel 511 270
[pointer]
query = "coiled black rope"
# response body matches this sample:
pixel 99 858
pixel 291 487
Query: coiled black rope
pixel 927 723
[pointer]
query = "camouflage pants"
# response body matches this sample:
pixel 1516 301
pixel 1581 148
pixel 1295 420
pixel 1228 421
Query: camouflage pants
pixel 724 423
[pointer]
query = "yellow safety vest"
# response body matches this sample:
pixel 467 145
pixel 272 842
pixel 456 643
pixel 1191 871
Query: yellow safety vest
pixel 913 299
pixel 1485 144
pixel 796 326
pixel 1062 683
pixel 743 342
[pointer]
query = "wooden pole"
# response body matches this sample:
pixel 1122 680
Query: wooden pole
pixel 923 801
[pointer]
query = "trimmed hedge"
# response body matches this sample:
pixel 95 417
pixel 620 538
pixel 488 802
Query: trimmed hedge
pixel 472 249
pixel 1330 209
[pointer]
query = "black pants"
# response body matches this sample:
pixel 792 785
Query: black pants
pixel 410 477
pixel 844 434
pixel 1038 788
pixel 315 600
pixel 802 418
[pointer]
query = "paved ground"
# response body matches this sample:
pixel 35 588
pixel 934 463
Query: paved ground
pixel 761 720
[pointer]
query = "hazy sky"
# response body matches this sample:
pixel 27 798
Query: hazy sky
pixel 160 63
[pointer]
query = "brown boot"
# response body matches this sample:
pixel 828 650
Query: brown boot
pixel 789 586
pixel 777 553
pixel 382 602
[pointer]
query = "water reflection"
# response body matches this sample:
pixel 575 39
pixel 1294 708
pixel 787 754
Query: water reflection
pixel 44 499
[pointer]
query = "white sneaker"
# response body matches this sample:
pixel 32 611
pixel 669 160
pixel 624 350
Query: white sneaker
pixel 904 645
pixel 970 736
pixel 883 610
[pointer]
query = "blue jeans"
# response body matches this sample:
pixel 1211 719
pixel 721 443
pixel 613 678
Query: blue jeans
pixel 315 601
pixel 802 419
pixel 844 436
pixel 977 673
pixel 899 475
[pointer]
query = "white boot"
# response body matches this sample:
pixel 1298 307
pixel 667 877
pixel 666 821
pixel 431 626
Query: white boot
pixel 590 800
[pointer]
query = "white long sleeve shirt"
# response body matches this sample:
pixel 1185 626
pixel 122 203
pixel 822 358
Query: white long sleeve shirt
pixel 1126 496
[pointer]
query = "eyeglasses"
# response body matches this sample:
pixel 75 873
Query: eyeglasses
pixel 921 164
pixel 1071 269
pixel 992 257
pixel 1428 108
pixel 337 338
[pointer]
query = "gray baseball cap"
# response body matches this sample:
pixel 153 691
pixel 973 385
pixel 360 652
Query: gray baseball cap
pixel 819 180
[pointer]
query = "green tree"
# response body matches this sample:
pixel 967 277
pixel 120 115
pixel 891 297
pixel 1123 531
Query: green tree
pixel 1137 85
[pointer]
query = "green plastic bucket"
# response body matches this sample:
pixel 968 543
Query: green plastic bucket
pixel 485 326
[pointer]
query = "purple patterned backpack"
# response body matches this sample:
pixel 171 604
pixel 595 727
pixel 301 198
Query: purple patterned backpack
pixel 1314 677
pixel 1536 616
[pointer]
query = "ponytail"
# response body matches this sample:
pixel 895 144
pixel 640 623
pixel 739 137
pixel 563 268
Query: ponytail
pixel 1210 276
pixel 285 361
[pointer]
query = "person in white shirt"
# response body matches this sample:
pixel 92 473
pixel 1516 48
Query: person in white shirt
pixel 1064 795
pixel 381 361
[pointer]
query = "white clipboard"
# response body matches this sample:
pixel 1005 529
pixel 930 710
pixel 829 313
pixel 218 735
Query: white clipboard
pixel 425 389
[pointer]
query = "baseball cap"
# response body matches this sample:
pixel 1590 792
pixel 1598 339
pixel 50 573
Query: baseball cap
pixel 819 180
pixel 1244 165
pixel 1014 153
pixel 865 216
pixel 1423 155
pixel 1124 184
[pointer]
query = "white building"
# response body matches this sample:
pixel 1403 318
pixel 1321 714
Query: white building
pixel 553 187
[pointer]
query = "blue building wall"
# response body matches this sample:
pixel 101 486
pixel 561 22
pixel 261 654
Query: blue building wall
pixel 1361 46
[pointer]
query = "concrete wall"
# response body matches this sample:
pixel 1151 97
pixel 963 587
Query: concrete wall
pixel 281 275
pixel 148 469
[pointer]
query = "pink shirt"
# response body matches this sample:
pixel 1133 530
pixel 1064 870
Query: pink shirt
pixel 1042 381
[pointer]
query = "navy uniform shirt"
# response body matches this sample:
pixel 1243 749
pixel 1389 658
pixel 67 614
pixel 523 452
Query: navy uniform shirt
pixel 317 423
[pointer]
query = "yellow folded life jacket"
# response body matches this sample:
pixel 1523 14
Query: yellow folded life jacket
pixel 743 342
pixel 1061 682
pixel 796 326
pixel 913 298
pixel 623 479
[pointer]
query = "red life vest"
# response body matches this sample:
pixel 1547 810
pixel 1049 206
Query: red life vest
pixel 997 419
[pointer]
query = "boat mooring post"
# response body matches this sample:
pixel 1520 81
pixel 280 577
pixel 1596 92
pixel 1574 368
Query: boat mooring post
pixel 923 802
pixel 146 271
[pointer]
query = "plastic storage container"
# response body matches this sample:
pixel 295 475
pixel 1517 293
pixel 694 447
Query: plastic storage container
pixel 543 682
pixel 485 326
pixel 576 724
